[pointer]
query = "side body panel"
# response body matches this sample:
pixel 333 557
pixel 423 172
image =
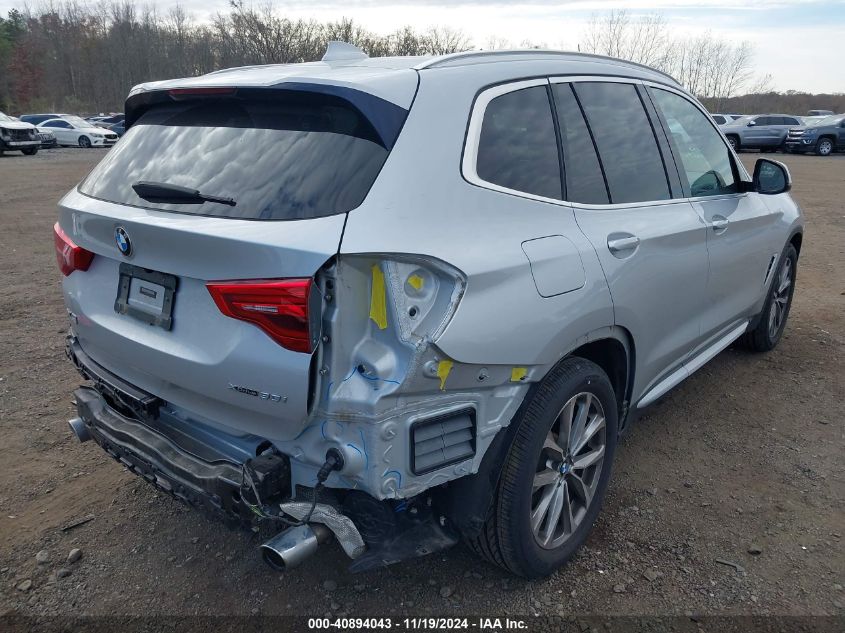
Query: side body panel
pixel 658 287
pixel 480 232
pixel 505 334
pixel 743 250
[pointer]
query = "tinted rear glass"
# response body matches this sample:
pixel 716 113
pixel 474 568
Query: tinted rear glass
pixel 627 146
pixel 285 158
pixel 517 148
pixel 584 178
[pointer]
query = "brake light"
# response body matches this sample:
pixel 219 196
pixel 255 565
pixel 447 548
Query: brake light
pixel 69 256
pixel 277 306
pixel 183 93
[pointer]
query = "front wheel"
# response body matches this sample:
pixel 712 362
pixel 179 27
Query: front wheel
pixel 556 472
pixel 824 147
pixel 84 141
pixel 766 335
pixel 30 151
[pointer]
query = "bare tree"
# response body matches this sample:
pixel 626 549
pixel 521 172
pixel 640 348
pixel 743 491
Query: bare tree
pixel 442 40
pixel 706 65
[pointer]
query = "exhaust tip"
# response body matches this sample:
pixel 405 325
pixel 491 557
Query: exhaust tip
pixel 290 548
pixel 79 429
pixel 273 558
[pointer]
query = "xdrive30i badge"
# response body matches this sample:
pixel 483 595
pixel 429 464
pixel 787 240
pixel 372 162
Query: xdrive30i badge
pixel 249 391
pixel 124 244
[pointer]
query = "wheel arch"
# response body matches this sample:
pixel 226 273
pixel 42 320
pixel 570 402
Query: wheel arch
pixel 796 240
pixel 831 138
pixel 467 501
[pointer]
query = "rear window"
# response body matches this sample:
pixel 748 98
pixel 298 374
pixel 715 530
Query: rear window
pixel 281 158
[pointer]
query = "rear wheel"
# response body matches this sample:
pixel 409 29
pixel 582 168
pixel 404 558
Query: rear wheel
pixel 554 478
pixel 734 141
pixel 30 151
pixel 766 335
pixel 824 147
pixel 84 141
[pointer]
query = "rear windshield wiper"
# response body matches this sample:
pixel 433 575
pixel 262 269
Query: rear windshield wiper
pixel 174 194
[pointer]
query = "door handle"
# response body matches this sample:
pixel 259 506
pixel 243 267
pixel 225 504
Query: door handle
pixel 720 224
pixel 622 244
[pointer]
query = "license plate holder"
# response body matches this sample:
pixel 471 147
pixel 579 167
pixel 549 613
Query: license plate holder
pixel 147 295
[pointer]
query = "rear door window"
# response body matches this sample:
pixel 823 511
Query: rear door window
pixel 517 148
pixel 281 158
pixel 584 177
pixel 704 157
pixel 626 142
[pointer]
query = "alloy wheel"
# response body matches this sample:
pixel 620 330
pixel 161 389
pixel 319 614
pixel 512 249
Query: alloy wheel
pixel 780 298
pixel 568 470
pixel 825 147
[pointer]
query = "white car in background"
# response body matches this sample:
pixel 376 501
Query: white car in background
pixel 74 130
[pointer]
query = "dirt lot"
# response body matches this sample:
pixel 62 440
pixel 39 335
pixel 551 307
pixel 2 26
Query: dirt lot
pixel 746 456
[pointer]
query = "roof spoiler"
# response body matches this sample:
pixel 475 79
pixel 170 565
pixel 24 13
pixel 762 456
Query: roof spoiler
pixel 342 51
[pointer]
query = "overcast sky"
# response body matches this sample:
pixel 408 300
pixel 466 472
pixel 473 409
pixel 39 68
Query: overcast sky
pixel 801 43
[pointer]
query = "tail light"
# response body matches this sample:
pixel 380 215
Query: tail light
pixel 280 307
pixel 69 256
pixel 188 93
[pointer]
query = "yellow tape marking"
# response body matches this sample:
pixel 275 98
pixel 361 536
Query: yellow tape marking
pixel 518 374
pixel 416 282
pixel 443 369
pixel 378 302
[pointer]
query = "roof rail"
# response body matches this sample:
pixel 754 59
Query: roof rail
pixel 446 60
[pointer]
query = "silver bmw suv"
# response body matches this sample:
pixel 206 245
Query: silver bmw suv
pixel 402 302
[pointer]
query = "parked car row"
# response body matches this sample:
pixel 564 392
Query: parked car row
pixel 822 135
pixel 57 129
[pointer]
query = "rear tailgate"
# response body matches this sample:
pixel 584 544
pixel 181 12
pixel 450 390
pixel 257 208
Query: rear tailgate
pixel 197 363
pixel 251 186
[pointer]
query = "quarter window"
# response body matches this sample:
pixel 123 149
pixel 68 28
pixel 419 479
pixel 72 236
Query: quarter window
pixel 703 155
pixel 625 139
pixel 517 148
pixel 584 178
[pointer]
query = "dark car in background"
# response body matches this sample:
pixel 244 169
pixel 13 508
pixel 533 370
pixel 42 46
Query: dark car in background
pixel 106 121
pixel 823 136
pixel 118 128
pixel 765 132
pixel 38 119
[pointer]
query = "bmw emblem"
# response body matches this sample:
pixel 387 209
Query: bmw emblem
pixel 124 245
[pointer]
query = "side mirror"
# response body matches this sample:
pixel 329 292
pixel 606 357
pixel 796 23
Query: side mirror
pixel 771 177
pixel 752 123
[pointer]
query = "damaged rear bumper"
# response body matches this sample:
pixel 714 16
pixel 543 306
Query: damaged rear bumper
pixel 207 483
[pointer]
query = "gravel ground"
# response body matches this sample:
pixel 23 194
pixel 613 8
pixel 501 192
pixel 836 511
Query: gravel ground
pixel 727 499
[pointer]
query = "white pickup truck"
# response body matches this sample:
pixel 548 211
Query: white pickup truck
pixel 16 135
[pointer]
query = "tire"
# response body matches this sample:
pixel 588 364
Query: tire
pixel 734 142
pixel 769 329
pixel 824 147
pixel 30 151
pixel 508 538
pixel 84 141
